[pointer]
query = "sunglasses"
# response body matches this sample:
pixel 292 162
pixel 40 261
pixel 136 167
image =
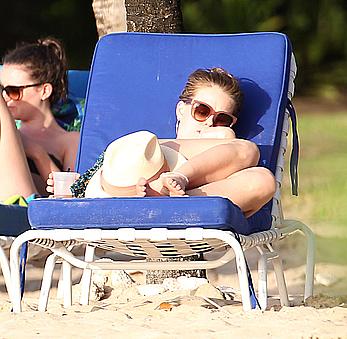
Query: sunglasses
pixel 201 112
pixel 16 92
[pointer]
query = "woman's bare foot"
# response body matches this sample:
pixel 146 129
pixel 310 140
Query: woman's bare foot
pixel 150 189
pixel 168 184
pixel 175 182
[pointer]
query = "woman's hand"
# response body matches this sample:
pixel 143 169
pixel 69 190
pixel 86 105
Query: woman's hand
pixel 218 132
pixel 50 184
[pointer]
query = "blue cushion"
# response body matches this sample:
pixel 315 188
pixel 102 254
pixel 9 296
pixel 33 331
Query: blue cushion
pixel 134 84
pixel 13 220
pixel 106 213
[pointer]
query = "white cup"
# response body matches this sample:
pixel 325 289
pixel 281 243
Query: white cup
pixel 62 183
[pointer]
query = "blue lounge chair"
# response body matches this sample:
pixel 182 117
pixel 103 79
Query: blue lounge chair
pixel 134 84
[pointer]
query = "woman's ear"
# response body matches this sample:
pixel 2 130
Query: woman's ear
pixel 47 90
pixel 180 110
pixel 234 121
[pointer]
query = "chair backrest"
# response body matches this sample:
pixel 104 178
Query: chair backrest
pixel 136 78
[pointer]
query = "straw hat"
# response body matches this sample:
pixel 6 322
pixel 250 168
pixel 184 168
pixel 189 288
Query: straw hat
pixel 128 159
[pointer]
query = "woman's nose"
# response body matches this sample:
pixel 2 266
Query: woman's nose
pixel 209 121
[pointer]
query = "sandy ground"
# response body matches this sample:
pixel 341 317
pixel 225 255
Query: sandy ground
pixel 127 313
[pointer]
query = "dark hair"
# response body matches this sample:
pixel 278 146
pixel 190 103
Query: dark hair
pixel 213 76
pixel 46 62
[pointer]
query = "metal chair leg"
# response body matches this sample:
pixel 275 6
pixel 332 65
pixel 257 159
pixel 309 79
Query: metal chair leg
pixel 67 283
pixel 46 282
pixel 86 277
pixel 5 267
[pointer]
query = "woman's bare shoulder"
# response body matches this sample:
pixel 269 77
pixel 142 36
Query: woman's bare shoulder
pixel 69 141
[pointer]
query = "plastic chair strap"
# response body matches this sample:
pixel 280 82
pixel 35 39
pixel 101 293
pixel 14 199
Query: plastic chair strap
pixel 294 156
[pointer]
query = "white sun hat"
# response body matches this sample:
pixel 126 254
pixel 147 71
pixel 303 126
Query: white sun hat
pixel 129 158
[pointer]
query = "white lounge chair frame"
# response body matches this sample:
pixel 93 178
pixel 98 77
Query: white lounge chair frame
pixel 4 264
pixel 59 240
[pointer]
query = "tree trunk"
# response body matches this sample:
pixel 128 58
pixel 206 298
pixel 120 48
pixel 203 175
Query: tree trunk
pixel 110 16
pixel 160 16
pixel 156 16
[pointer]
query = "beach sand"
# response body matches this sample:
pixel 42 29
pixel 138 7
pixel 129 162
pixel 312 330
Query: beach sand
pixel 184 313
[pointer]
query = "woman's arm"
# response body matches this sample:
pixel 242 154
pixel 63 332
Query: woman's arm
pixel 70 142
pixel 218 132
pixel 41 158
pixel 15 177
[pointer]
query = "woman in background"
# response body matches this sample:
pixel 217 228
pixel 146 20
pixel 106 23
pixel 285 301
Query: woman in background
pixel 33 80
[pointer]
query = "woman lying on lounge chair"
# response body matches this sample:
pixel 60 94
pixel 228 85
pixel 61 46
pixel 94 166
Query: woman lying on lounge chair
pixel 33 80
pixel 205 159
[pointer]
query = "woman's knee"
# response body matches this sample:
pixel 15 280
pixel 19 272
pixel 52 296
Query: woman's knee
pixel 262 182
pixel 248 153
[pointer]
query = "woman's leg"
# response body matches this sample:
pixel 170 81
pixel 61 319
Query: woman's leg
pixel 249 189
pixel 15 177
pixel 211 160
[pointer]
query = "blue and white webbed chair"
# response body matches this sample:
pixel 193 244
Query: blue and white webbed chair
pixel 14 218
pixel 134 84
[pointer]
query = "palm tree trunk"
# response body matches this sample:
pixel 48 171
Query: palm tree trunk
pixel 162 16
pixel 157 16
pixel 110 16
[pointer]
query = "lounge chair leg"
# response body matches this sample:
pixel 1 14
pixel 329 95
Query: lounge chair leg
pixel 15 275
pixel 262 281
pixel 281 282
pixel 67 283
pixel 46 282
pixel 243 281
pixel 310 260
pixel 240 265
pixel 5 271
pixel 60 292
pixel 86 277
pixel 292 225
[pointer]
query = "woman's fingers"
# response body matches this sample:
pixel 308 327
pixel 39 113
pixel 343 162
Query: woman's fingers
pixel 50 183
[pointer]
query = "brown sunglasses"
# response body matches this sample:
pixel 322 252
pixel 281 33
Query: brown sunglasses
pixel 201 112
pixel 16 92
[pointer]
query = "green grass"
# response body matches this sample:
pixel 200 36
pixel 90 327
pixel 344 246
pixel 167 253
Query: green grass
pixel 322 200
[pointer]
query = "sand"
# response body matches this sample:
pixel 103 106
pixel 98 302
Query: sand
pixel 186 313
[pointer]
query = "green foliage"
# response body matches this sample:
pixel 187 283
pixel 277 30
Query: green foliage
pixel 322 199
pixel 322 173
pixel 317 30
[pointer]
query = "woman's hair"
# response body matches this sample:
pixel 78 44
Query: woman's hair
pixel 213 76
pixel 46 62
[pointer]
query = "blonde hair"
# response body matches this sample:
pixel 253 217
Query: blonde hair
pixel 213 76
